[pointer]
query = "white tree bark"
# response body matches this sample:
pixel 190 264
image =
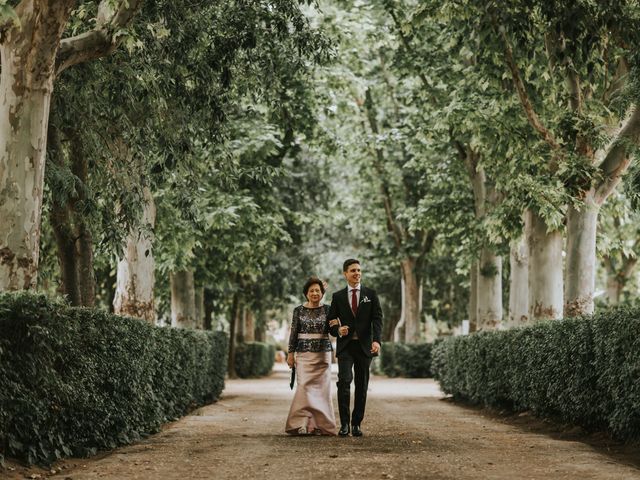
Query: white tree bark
pixel 489 287
pixel 581 260
pixel 183 301
pixel 26 83
pixel 411 301
pixel 545 269
pixel 29 55
pixel 519 283
pixel 136 270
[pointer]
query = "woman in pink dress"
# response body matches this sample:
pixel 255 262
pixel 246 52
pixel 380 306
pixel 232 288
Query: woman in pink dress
pixel 310 350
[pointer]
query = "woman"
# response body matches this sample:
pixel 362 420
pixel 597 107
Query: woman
pixel 310 349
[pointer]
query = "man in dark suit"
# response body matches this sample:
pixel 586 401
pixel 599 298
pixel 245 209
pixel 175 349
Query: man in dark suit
pixel 356 319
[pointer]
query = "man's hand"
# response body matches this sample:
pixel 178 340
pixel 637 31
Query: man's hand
pixel 375 348
pixel 343 330
pixel 291 360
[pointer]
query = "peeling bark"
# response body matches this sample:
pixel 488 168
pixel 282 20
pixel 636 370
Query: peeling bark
pixel 519 283
pixel 136 270
pixel 580 266
pixel 489 288
pixel 28 55
pixel 27 58
pixel 545 269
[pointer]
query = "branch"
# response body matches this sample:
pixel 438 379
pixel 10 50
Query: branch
pixel 398 232
pixel 408 47
pixel 617 160
pixel 531 114
pixel 102 40
pixel 617 82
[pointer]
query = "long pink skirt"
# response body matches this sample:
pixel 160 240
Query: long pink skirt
pixel 311 409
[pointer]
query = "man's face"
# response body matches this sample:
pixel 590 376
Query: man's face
pixel 353 274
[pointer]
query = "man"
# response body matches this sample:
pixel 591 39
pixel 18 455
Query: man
pixel 356 319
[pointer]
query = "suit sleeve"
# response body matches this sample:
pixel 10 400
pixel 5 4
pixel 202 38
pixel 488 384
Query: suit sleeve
pixel 376 318
pixel 333 313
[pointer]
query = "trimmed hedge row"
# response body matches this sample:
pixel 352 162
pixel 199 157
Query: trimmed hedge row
pixel 582 370
pixel 75 380
pixel 254 359
pixel 406 360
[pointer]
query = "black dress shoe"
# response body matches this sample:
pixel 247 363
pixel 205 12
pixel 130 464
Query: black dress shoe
pixel 344 430
pixel 355 431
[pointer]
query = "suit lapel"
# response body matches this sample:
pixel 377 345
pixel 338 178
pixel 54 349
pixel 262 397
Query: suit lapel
pixel 347 302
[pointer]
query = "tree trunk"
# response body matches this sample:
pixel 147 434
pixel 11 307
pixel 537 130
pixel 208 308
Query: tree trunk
pixel 545 269
pixel 411 301
pixel 519 283
pixel 473 298
pixel 580 269
pixel 615 285
pixel 27 57
pixel 136 270
pixel 208 310
pixel 61 225
pixel 84 238
pixel 183 304
pixel 234 319
pixel 199 304
pixel 249 326
pixel 489 290
pixel 399 330
pixel 260 330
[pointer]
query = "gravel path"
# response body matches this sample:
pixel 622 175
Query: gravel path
pixel 411 431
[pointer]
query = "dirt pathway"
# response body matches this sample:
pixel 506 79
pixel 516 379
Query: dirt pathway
pixel 410 432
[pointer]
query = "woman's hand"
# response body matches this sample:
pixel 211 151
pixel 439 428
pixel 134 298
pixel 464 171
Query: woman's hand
pixel 291 360
pixel 334 322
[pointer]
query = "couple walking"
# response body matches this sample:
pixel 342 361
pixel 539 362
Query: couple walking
pixel 355 317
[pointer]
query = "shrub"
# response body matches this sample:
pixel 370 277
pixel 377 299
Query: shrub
pixel 76 380
pixel 580 370
pixel 406 360
pixel 254 359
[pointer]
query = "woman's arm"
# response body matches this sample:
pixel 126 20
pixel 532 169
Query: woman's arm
pixel 293 338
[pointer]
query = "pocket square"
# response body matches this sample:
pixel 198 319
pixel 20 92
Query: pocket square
pixel 365 300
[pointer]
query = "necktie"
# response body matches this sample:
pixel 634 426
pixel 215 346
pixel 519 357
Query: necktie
pixel 354 302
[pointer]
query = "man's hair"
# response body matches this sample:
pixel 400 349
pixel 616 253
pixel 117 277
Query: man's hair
pixel 312 281
pixel 347 263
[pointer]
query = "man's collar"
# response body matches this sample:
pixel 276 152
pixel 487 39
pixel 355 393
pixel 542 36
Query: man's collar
pixel 349 287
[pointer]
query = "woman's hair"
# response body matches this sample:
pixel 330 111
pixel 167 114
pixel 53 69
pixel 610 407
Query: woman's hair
pixel 312 281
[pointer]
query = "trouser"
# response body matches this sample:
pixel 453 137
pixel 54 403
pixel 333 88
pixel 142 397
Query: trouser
pixel 353 365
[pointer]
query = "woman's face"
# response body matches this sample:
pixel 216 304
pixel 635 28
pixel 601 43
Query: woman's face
pixel 314 294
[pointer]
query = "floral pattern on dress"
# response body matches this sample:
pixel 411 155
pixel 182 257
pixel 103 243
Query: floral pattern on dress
pixel 309 320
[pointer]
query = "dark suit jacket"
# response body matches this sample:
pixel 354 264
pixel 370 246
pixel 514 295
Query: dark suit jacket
pixel 367 322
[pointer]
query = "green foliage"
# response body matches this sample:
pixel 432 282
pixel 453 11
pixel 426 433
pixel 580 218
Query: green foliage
pixel 579 370
pixel 254 359
pixel 406 360
pixel 74 381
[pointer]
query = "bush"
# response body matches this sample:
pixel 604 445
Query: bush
pixel 581 370
pixel 406 360
pixel 254 359
pixel 76 380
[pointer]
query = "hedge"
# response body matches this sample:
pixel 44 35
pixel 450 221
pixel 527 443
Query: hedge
pixel 406 360
pixel 582 371
pixel 77 380
pixel 254 359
